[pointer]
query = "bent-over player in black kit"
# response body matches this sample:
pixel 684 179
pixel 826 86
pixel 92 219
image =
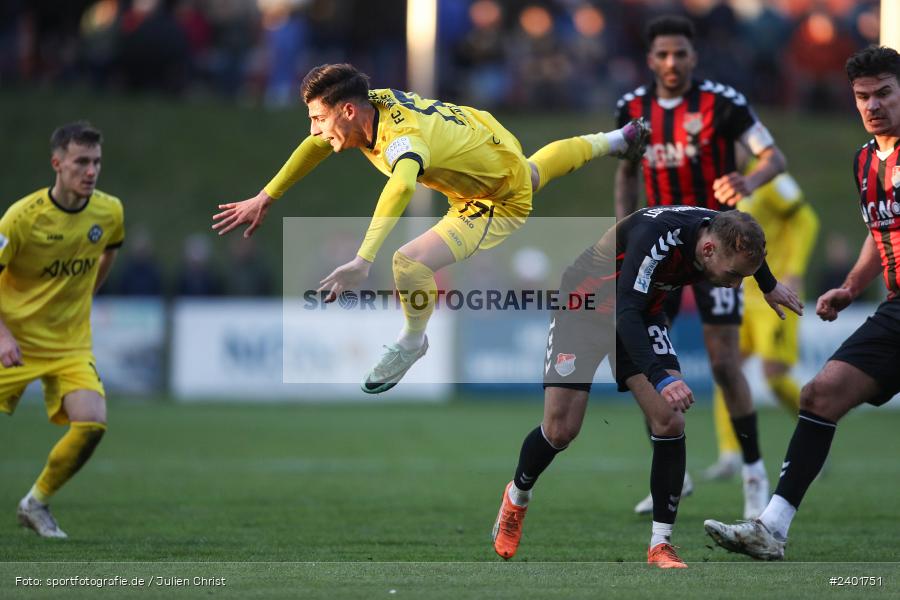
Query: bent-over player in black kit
pixel 627 275
pixel 864 369
pixel 690 160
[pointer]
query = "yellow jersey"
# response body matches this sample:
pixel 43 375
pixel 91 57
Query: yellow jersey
pixel 790 225
pixel 50 259
pixel 463 153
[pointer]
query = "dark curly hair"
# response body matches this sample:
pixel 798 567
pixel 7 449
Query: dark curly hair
pixel 873 61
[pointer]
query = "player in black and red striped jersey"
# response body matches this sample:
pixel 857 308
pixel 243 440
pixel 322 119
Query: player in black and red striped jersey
pixel 864 368
pixel 613 307
pixel 690 160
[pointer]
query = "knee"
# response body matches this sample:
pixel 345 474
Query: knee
pixel 725 371
pixel 560 433
pixel 400 264
pixel 814 397
pixel 669 425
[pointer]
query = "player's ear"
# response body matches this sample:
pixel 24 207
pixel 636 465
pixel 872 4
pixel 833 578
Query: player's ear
pixel 56 161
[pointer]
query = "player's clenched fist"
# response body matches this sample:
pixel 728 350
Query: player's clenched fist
pixel 678 395
pixel 730 188
pixel 832 302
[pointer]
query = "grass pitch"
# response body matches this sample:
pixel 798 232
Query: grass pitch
pixel 358 500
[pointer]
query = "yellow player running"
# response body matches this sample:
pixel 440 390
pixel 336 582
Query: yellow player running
pixel 56 248
pixel 791 226
pixel 462 152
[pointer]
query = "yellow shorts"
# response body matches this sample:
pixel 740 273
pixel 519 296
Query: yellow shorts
pixel 59 376
pixel 767 336
pixel 477 225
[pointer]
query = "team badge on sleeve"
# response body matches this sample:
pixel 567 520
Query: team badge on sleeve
pixel 3 241
pixel 565 364
pixel 895 176
pixel 397 148
pixel 95 233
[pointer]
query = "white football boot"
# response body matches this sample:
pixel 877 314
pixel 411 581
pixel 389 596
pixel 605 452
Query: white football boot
pixel 394 364
pixel 36 516
pixel 746 537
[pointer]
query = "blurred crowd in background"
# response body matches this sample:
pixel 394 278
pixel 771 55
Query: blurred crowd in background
pixel 513 54
pixel 510 54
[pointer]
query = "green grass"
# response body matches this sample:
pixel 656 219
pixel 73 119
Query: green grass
pixel 347 500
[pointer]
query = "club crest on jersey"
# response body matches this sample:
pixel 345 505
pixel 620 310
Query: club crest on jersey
pixel 895 176
pixel 565 364
pixel 693 122
pixel 95 233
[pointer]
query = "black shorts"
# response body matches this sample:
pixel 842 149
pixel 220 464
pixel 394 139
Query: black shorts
pixel 577 344
pixel 716 305
pixel 874 349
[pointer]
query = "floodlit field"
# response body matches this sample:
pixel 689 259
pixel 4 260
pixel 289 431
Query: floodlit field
pixel 358 500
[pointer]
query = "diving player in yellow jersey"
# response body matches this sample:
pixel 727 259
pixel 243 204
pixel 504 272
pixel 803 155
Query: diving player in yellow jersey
pixel 57 246
pixel 459 151
pixel 791 226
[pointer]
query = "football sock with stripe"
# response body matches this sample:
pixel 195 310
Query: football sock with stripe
pixel 535 456
pixel 748 437
pixel 562 157
pixel 667 476
pixel 67 456
pixel 418 292
pixel 805 456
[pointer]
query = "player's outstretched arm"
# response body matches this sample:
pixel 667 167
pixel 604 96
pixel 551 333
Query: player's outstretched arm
pixel 252 211
pixel 304 159
pixel 393 201
pixel 867 267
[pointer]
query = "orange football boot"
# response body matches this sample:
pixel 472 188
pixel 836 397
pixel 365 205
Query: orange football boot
pixel 508 527
pixel 663 555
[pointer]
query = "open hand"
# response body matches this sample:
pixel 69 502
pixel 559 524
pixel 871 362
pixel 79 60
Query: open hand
pixel 253 211
pixel 347 276
pixel 786 297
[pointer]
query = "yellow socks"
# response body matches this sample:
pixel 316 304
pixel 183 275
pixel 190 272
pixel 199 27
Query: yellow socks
pixel 725 435
pixel 68 455
pixel 418 291
pixel 564 156
pixel 787 392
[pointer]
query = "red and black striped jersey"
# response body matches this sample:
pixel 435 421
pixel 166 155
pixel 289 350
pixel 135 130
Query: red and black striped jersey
pixel 692 140
pixel 878 182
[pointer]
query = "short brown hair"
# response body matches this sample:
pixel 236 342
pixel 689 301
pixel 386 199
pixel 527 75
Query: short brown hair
pixel 80 132
pixel 335 83
pixel 739 232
